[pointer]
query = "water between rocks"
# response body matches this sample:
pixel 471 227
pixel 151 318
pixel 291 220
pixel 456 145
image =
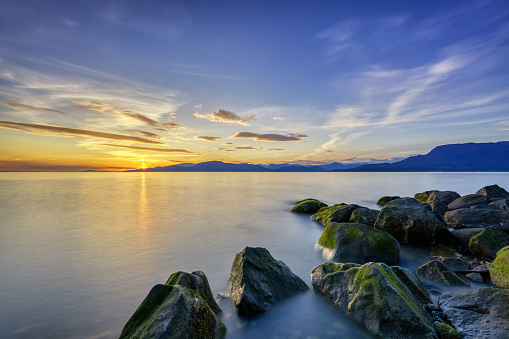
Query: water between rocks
pixel 80 251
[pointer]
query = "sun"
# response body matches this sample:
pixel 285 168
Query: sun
pixel 143 167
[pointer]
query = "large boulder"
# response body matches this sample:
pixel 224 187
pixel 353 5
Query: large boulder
pixel 477 218
pixel 258 281
pixel 308 206
pixel 487 243
pixel 493 192
pixel 407 221
pixel 480 313
pixel 502 204
pixel 499 270
pixel 358 243
pixel 467 201
pixel 373 296
pixel 385 199
pixel 173 312
pixel 364 215
pixel 438 200
pixel 336 213
pixel 197 281
pixel 436 272
pixel 462 236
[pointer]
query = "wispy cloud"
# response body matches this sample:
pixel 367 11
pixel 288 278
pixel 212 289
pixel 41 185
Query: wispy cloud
pixel 147 134
pixel 249 148
pixel 227 117
pixel 20 106
pixel 269 137
pixel 152 149
pixel 206 138
pixel 66 131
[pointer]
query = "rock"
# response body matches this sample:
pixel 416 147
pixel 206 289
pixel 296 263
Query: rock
pixel 502 204
pixel 468 200
pixel 373 296
pixel 409 223
pixel 363 215
pixel 173 312
pixel 456 264
pixel 476 277
pixel 493 191
pixel 499 271
pixel 442 251
pixel 438 200
pixel 445 331
pixel 336 213
pixel 308 206
pixel 358 243
pixel 463 235
pixel 436 272
pixel 410 280
pixel 258 281
pixel 480 313
pixel 487 243
pixel 477 218
pixel 197 281
pixel 385 199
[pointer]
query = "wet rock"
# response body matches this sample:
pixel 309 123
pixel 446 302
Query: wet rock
pixel 407 221
pixel 363 215
pixel 336 213
pixel 477 218
pixel 173 312
pixel 467 201
pixel 258 281
pixel 480 313
pixel 456 264
pixel 438 200
pixel 502 204
pixel 308 206
pixel 373 296
pixel 499 270
pixel 410 280
pixel 487 243
pixel 445 331
pixel 385 199
pixel 463 235
pixel 436 272
pixel 358 243
pixel 476 277
pixel 493 192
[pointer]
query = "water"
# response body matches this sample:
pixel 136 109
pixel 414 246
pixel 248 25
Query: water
pixel 80 251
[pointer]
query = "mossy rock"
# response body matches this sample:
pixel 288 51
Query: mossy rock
pixel 499 271
pixel 308 206
pixel 363 215
pixel 336 213
pixel 487 243
pixel 373 296
pixel 173 312
pixel 436 272
pixel 358 243
pixel 385 199
pixel 445 331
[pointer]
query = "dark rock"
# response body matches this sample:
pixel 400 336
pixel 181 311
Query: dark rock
pixel 436 272
pixel 477 218
pixel 487 243
pixel 502 204
pixel 363 215
pixel 407 221
pixel 410 280
pixel 426 206
pixel 336 213
pixel 463 235
pixel 480 313
pixel 385 199
pixel 358 243
pixel 445 331
pixel 438 200
pixel 493 191
pixel 258 281
pixel 485 207
pixel 499 271
pixel 476 277
pixel 197 281
pixel 467 201
pixel 456 264
pixel 442 251
pixel 308 206
pixel 373 296
pixel 173 312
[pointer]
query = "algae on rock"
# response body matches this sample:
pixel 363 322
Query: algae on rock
pixel 499 270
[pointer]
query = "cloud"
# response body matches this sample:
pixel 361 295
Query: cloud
pixel 20 106
pixel 275 149
pixel 270 137
pixel 147 134
pixel 212 139
pixel 248 147
pixel 102 107
pixel 152 149
pixel 228 143
pixel 65 131
pixel 278 118
pixel 227 117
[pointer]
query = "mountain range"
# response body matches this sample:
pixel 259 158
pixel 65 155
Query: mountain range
pixel 469 157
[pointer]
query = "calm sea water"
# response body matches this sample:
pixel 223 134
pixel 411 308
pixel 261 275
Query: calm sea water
pixel 80 251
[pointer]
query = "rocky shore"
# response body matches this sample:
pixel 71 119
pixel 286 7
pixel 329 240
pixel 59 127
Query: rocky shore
pixel 467 238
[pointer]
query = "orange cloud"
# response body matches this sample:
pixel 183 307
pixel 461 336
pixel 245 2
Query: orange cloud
pixel 269 137
pixel 208 138
pixel 152 149
pixel 23 107
pixel 227 117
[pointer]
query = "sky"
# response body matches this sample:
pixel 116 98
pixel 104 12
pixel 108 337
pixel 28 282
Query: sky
pixel 109 85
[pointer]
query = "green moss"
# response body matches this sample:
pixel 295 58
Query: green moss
pixel 308 206
pixel 351 233
pixel 382 242
pixel 328 237
pixel 445 331
pixel 499 271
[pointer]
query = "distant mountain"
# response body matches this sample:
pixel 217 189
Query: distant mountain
pixel 209 166
pixel 470 157
pixel 299 168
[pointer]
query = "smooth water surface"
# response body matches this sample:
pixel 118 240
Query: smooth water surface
pixel 80 251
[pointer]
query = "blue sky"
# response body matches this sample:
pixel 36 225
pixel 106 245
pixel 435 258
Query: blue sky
pixel 104 84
